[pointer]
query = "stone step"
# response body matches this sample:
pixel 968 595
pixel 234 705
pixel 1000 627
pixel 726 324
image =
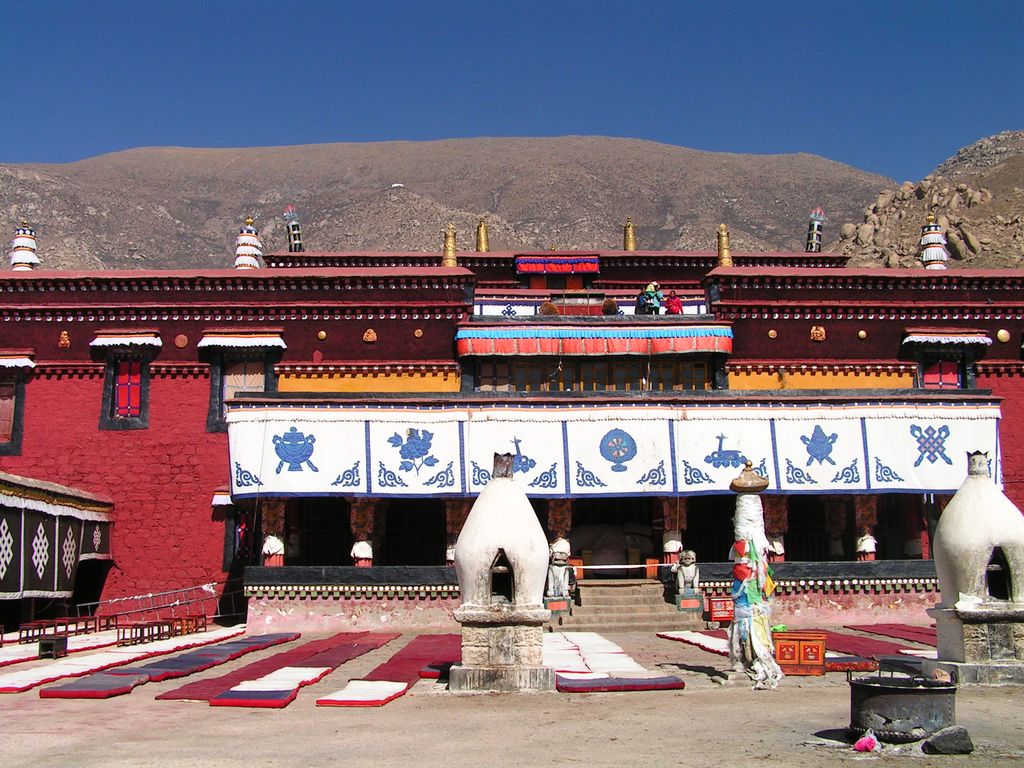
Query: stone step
pixel 670 624
pixel 588 599
pixel 624 610
pixel 634 591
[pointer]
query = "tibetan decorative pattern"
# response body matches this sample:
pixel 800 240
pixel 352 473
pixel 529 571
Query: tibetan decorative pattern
pixel 69 552
pixel 97 534
pixel 655 476
pixel 243 479
pixel 850 474
pixel 414 449
pixel 725 457
pixel 40 550
pixel 586 478
pixel 797 476
pixel 443 479
pixel 931 443
pixel 294 449
pixel 6 548
pixel 481 476
pixel 349 478
pixel 819 445
pixel 693 475
pixel 561 341
pixel 618 447
pixel 546 479
pixel 884 474
pixel 388 479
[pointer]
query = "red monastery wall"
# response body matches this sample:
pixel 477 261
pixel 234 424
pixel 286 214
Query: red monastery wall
pixel 161 479
pixel 1011 428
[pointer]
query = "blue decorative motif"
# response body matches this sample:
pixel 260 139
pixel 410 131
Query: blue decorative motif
pixel 762 468
pixel 481 476
pixel 349 478
pixel 521 462
pixel 388 479
pixel 850 474
pixel 819 445
pixel 509 311
pixel 443 479
pixel 244 478
pixel 548 479
pixel 414 450
pixel 725 458
pixel 294 449
pixel 655 476
pixel 797 476
pixel 618 447
pixel 931 443
pixel 884 474
pixel 587 479
pixel 693 475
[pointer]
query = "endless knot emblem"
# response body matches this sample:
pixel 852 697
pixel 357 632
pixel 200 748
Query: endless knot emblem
pixel 40 550
pixel 6 548
pixel 97 538
pixel 69 552
pixel 931 444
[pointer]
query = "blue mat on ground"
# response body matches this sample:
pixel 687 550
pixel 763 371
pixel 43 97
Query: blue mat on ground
pixel 613 684
pixel 117 681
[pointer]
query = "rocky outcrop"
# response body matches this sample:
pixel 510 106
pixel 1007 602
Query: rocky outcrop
pixel 976 197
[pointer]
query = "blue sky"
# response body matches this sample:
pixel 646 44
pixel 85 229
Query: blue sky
pixel 892 87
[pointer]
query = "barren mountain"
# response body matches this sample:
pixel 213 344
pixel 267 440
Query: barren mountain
pixel 977 196
pixel 173 207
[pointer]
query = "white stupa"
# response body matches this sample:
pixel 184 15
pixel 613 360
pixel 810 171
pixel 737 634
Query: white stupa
pixel 248 248
pixel 23 248
pixel 933 245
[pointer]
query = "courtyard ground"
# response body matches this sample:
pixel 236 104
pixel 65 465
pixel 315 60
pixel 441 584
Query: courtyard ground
pixel 707 724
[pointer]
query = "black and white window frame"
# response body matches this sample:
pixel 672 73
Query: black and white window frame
pixel 15 377
pixel 220 359
pixel 113 357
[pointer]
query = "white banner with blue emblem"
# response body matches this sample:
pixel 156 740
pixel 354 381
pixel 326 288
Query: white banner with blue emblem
pixel 606 450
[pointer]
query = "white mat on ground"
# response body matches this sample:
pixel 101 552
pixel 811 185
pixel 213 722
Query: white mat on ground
pixel 720 645
pixel 367 693
pixel 284 679
pixel 67 666
pixel 19 652
pixel 587 652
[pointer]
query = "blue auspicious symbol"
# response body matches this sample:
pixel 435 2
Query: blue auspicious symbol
pixel 725 458
pixel 548 479
pixel 850 474
pixel 508 311
pixel 762 468
pixel 388 479
pixel 931 443
pixel 618 447
pixel 655 476
pixel 294 449
pixel 521 462
pixel 414 450
pixel 884 474
pixel 693 475
pixel 349 478
pixel 819 445
pixel 797 476
pixel 244 478
pixel 585 478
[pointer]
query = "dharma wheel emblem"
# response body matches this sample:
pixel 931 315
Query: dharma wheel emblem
pixel 618 447
pixel 817 333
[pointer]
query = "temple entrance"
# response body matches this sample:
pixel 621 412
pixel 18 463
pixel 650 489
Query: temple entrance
pixel 808 537
pixel 318 532
pixel 709 529
pixel 414 533
pixel 614 532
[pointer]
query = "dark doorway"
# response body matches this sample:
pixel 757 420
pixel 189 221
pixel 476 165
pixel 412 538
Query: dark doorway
pixel 709 529
pixel 414 533
pixel 997 575
pixel 808 537
pixel 319 533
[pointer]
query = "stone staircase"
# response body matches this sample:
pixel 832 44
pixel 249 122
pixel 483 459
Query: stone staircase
pixel 623 605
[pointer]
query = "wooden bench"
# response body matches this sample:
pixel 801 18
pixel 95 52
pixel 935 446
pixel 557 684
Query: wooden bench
pixel 53 646
pixel 144 631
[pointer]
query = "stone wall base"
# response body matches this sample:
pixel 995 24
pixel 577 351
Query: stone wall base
pixel 500 679
pixel 992 673
pixel 330 614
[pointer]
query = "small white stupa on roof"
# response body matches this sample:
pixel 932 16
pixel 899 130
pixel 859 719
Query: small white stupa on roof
pixel 23 248
pixel 933 245
pixel 248 248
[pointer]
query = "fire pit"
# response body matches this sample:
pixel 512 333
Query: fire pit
pixel 900 709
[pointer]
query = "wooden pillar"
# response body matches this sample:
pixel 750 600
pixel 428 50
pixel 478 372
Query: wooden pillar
pixel 673 515
pixel 916 545
pixel 361 520
pixel 559 518
pixel 865 514
pixel 272 516
pixel 835 524
pixel 455 513
pixel 776 523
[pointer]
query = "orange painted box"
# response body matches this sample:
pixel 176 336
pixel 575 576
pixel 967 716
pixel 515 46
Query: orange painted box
pixel 720 609
pixel 557 604
pixel 800 653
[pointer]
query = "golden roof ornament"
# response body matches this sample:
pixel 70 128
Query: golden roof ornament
pixel 748 481
pixel 629 236
pixel 448 257
pixel 724 257
pixel 482 244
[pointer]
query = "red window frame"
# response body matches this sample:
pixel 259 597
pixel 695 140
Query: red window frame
pixel 942 374
pixel 128 389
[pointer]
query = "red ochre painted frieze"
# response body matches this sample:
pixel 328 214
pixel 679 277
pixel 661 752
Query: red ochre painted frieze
pixel 594 346
pixel 166 535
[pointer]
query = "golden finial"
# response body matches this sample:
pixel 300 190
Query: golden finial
pixel 724 257
pixel 24 222
pixel 249 221
pixel 482 245
pixel 930 218
pixel 448 258
pixel 629 236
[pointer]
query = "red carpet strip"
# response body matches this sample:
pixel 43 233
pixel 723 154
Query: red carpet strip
pixel 915 634
pixel 279 687
pixel 116 681
pixel 396 675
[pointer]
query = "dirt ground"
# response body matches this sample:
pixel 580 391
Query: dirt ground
pixel 707 724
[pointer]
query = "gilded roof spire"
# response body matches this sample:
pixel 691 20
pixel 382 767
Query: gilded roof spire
pixel 629 235
pixel 724 257
pixel 482 244
pixel 448 257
